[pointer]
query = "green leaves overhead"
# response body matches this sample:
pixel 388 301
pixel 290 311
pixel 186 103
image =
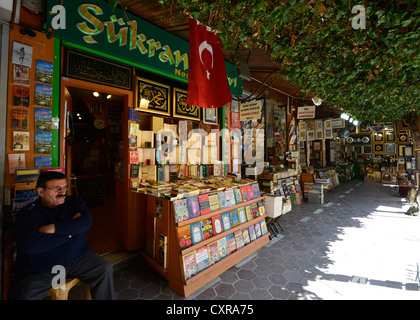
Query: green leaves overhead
pixel 372 73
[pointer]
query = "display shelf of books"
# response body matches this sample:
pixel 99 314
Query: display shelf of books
pixel 206 233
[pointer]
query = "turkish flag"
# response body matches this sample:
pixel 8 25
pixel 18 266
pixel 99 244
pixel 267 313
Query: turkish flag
pixel 207 81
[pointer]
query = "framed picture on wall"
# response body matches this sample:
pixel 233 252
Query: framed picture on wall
pixel 403 137
pixel 390 148
pixel 378 148
pixel 180 108
pixel 401 150
pixel 151 96
pixel 408 151
pixel 378 136
pixel 367 149
pixel 210 115
pixel 390 136
pixel 317 145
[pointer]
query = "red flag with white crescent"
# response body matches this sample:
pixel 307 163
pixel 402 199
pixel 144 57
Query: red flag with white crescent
pixel 207 81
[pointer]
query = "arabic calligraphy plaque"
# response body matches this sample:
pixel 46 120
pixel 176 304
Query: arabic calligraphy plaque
pixel 180 107
pixel 155 93
pixel 84 67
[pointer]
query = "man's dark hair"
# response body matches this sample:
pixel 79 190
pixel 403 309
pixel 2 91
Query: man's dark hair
pixel 47 176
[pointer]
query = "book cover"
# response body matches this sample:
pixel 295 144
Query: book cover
pixel 245 236
pixel 193 206
pixel 16 161
pixel 21 96
pixel 180 210
pixel 241 215
pixel 222 247
pixel 202 257
pixel 214 202
pixel 184 237
pixel 134 156
pixel 226 221
pixel 250 192
pixel 163 246
pixel 43 142
pixel 217 224
pixel 238 196
pixel 230 198
pixel 43 162
pixel 134 170
pixel 244 193
pixel 43 95
pixel 207 228
pixel 190 265
pixel 254 210
pixel 239 239
pixel 257 230
pixel 257 193
pixel 263 227
pixel 20 140
pixel 261 208
pixel 234 218
pixel 42 119
pixel 203 201
pixel 222 200
pixel 248 213
pixel 196 232
pixel 231 243
pixel 252 235
pixel 134 183
pixel 214 255
pixel 20 119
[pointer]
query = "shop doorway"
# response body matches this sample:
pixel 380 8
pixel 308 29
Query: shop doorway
pixel 95 122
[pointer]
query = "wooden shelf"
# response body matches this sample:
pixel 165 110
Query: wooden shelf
pixel 216 212
pixel 223 234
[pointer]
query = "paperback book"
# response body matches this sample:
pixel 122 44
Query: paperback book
pixel 231 243
pixel 256 190
pixel 248 213
pixel 222 247
pixel 238 196
pixel 196 232
pixel 234 218
pixel 217 224
pixel 190 265
pixel 193 206
pixel 230 198
pixel 222 200
pixel 180 210
pixel 257 230
pixel 207 228
pixel 244 193
pixel 214 202
pixel 245 236
pixel 250 192
pixel 184 237
pixel 203 201
pixel 214 255
pixel 239 239
pixel 263 226
pixel 241 215
pixel 202 256
pixel 226 221
pixel 254 210
pixel 261 208
pixel 252 235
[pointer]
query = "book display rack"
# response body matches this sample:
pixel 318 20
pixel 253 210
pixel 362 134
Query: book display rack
pixel 194 239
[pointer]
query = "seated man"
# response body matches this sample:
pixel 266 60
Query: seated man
pixel 51 232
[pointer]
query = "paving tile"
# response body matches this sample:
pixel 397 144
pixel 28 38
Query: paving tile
pixel 344 247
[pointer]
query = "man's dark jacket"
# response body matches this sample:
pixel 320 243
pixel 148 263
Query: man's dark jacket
pixel 39 252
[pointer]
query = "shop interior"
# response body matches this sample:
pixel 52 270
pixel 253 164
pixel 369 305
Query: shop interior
pixel 95 141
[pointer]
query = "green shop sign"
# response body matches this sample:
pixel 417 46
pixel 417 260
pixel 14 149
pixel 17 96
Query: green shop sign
pixel 130 39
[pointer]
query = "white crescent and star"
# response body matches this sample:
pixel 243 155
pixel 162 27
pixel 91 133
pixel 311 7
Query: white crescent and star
pixel 203 46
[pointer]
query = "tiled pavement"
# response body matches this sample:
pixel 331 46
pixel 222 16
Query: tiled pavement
pixel 360 245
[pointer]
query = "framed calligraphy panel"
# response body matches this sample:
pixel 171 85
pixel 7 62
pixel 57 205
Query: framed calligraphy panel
pixel 87 68
pixel 152 97
pixel 210 115
pixel 180 107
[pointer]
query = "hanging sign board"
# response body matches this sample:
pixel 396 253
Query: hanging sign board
pixel 306 112
pixel 250 110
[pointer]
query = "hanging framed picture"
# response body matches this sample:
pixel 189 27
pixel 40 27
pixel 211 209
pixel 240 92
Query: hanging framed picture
pixel 210 115
pixel 403 137
pixel 379 136
pixel 152 97
pixel 408 151
pixel 180 108
pixel 390 136
pixel 378 148
pixel 390 148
